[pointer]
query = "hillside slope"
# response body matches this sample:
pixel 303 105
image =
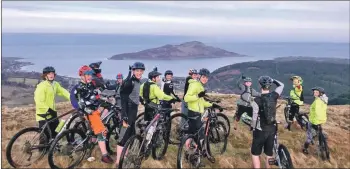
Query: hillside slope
pixel 238 152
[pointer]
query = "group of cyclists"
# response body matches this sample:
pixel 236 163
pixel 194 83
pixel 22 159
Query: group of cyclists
pixel 85 96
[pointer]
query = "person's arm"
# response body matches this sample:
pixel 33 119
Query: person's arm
pixel 160 94
pixel 240 85
pixel 192 94
pixel 40 97
pixel 63 92
pixel 255 93
pixel 279 85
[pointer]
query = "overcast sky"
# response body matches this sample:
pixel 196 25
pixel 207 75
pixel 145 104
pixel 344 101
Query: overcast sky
pixel 252 20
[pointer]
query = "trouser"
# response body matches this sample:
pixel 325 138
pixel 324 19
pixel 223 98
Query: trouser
pixel 263 140
pixel 130 109
pixel 294 108
pixel 311 132
pixel 184 110
pixel 195 124
pixel 243 109
pixel 149 114
pixel 97 125
pixel 167 105
pixel 52 126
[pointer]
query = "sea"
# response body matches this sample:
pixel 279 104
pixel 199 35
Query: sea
pixel 67 52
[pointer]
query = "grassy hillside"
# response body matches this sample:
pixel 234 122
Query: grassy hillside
pixel 334 77
pixel 238 152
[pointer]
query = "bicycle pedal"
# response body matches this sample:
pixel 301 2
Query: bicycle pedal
pixel 273 162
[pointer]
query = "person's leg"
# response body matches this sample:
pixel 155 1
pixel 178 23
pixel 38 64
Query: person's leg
pixel 294 108
pixel 268 148
pixel 184 110
pixel 256 149
pixel 239 112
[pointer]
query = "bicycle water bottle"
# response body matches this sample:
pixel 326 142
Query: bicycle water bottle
pixel 60 126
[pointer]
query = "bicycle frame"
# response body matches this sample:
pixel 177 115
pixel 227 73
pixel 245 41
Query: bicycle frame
pixel 275 147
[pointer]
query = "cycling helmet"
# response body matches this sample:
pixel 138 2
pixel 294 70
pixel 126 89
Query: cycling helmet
pixel 85 70
pixel 153 74
pixel 247 79
pixel 320 89
pixel 49 69
pixel 119 76
pixel 193 71
pixel 95 65
pixel 204 72
pixel 168 72
pixel 297 77
pixel 265 81
pixel 138 65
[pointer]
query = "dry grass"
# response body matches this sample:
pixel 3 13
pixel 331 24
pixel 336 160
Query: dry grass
pixel 238 152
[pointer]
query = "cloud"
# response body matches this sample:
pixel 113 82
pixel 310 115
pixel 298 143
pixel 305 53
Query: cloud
pixel 322 21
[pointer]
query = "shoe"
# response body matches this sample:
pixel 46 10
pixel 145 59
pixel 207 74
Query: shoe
pixel 305 151
pixel 107 159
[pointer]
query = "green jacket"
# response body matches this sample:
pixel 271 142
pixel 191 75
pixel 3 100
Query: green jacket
pixel 195 103
pixel 318 110
pixel 44 97
pixel 295 95
pixel 155 93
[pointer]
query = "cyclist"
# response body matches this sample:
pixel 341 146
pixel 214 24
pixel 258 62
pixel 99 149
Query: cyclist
pixel 97 78
pixel 296 94
pixel 318 115
pixel 196 104
pixel 44 97
pixel 117 87
pixel 89 102
pixel 129 94
pixel 264 131
pixel 246 102
pixel 167 87
pixel 151 94
pixel 193 74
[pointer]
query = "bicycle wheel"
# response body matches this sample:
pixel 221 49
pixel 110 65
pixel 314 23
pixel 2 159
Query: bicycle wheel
pixel 187 155
pixel 76 121
pixel 178 123
pixel 286 114
pixel 222 117
pixel 286 160
pixel 112 135
pixel 159 144
pixel 217 139
pixel 68 149
pixel 130 157
pixel 23 151
pixel 324 149
pixel 139 118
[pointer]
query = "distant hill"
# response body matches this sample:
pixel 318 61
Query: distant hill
pixel 332 76
pixel 188 50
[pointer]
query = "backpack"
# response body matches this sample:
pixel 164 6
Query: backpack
pixel 73 99
pixel 146 90
pixel 269 108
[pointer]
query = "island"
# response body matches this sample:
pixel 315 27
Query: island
pixel 188 50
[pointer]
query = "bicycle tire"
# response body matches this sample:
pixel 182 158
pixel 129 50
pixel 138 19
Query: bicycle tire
pixel 286 114
pixel 324 149
pixel 112 134
pixel 75 116
pixel 284 155
pixel 156 136
pixel 65 134
pixel 180 149
pixel 139 117
pixel 302 122
pixel 15 137
pixel 128 142
pixel 212 133
pixel 227 122
pixel 179 132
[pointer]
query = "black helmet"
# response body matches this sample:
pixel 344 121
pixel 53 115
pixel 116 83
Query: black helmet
pixel 204 72
pixel 138 65
pixel 320 89
pixel 95 65
pixel 153 74
pixel 168 72
pixel 49 69
pixel 247 79
pixel 192 71
pixel 265 81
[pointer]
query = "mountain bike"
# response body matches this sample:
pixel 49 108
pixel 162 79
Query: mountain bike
pixel 323 149
pixel 221 116
pixel 33 147
pixel 282 157
pixel 214 132
pixel 152 137
pixel 302 118
pixel 71 146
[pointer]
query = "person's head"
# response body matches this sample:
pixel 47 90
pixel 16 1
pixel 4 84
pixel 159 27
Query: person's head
pixel 297 80
pixel 248 81
pixel 154 76
pixel 85 73
pixel 137 69
pixel 168 75
pixel 49 73
pixel 193 73
pixel 96 67
pixel 265 83
pixel 318 91
pixel 204 75
pixel 119 78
